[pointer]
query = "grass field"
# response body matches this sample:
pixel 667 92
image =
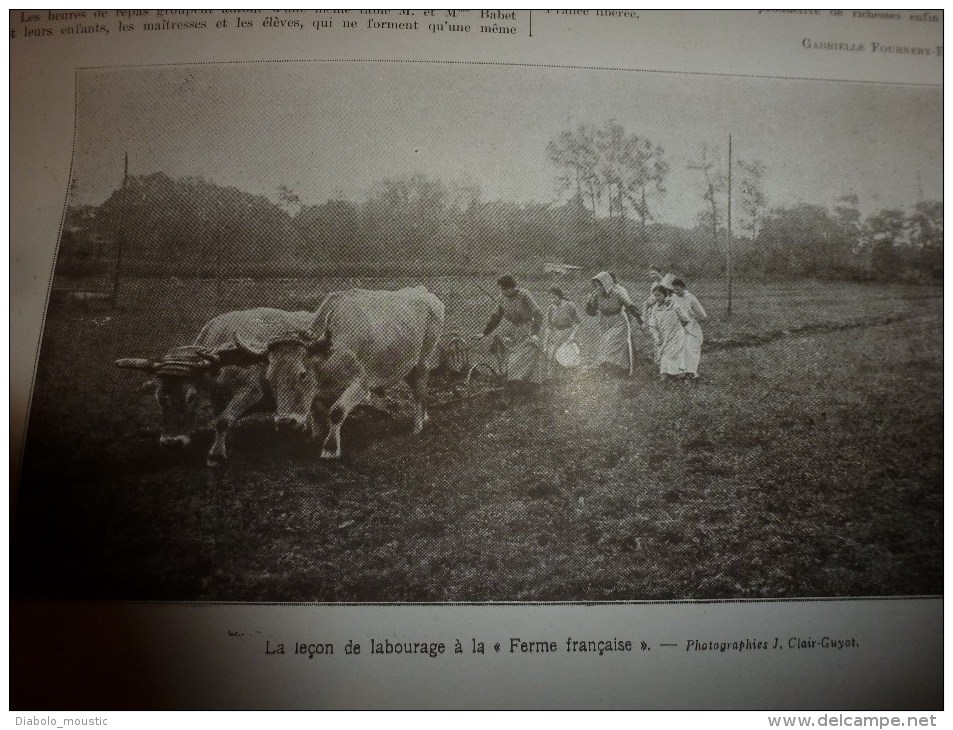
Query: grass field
pixel 808 462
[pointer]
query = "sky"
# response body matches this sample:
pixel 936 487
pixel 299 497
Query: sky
pixel 332 130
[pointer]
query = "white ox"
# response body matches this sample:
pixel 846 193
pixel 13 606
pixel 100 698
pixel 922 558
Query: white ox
pixel 358 342
pixel 216 369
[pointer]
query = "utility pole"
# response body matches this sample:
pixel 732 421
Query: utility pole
pixel 729 225
pixel 120 232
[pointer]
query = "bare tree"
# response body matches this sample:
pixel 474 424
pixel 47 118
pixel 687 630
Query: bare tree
pixel 609 162
pixel 649 180
pixel 753 202
pixel 288 199
pixel 714 187
pixel 574 153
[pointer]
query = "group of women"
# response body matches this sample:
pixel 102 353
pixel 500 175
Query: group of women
pixel 670 315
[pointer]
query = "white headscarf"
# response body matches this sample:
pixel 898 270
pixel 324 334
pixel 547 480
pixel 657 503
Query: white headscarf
pixel 605 279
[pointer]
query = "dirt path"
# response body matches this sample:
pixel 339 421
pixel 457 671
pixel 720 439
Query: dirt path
pixel 754 340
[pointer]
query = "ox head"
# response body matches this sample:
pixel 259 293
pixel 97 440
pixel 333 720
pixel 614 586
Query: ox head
pixel 290 373
pixel 178 378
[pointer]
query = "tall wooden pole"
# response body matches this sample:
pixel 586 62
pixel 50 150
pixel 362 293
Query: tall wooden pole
pixel 729 225
pixel 120 233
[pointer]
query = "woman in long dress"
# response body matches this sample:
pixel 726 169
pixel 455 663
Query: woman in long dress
pixel 562 323
pixel 612 304
pixel 695 312
pixel 667 327
pixel 522 321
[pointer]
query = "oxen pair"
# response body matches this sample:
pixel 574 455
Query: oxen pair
pixel 295 363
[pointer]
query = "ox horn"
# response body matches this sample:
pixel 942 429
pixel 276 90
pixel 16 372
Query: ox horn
pixel 316 345
pixel 136 363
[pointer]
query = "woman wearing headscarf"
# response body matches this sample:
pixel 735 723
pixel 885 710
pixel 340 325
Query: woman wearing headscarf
pixel 692 309
pixel 667 327
pixel 562 322
pixel 612 304
pixel 523 320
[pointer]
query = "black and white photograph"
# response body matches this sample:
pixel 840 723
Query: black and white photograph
pixel 401 333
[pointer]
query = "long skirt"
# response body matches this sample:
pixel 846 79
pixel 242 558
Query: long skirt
pixel 693 347
pixel 671 351
pixel 615 346
pixel 523 355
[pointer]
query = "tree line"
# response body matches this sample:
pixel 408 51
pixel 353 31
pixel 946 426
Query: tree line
pixel 612 180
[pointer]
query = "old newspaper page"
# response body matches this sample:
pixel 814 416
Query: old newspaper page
pixel 476 359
